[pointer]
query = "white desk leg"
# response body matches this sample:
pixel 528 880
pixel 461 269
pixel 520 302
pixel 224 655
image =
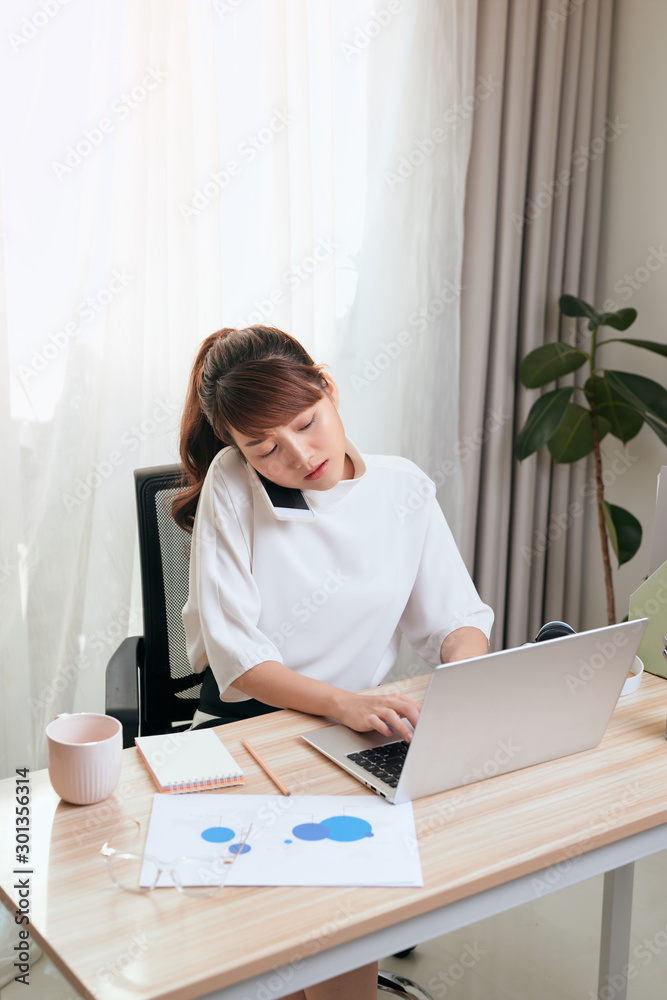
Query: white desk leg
pixel 615 938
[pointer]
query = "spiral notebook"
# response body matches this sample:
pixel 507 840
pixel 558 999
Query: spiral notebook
pixel 193 761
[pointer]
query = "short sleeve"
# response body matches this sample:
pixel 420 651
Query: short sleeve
pixel 224 604
pixel 443 597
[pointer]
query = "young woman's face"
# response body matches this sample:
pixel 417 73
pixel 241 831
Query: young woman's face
pixel 308 453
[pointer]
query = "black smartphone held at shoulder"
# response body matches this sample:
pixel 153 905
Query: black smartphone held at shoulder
pixel 285 503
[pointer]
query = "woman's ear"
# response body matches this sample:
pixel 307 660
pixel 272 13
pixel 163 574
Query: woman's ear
pixel 331 388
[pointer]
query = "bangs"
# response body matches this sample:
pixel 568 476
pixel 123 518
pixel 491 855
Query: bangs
pixel 258 396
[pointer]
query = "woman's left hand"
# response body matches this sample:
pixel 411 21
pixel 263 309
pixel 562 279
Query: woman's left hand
pixel 386 713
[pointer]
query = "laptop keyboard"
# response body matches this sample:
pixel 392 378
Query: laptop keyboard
pixel 384 762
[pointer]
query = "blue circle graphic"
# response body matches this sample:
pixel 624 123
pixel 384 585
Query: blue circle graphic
pixel 239 848
pixel 217 834
pixel 346 828
pixel 311 831
pixel 340 828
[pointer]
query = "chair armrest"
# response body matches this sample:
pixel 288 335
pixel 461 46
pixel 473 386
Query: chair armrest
pixel 122 693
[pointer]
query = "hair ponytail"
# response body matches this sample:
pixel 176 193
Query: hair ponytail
pixel 198 446
pixel 250 380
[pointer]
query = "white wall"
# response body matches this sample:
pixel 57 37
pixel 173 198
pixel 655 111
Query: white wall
pixel 634 221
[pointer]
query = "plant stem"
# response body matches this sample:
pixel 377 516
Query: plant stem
pixel 604 539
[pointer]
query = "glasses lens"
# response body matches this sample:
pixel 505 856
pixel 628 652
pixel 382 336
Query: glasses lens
pixel 200 876
pixel 133 873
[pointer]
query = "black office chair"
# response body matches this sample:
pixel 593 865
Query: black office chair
pixel 150 686
pixel 400 986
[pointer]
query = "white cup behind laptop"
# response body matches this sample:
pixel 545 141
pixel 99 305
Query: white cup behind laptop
pixel 634 677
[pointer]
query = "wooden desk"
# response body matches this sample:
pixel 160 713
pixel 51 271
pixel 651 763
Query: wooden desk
pixel 484 848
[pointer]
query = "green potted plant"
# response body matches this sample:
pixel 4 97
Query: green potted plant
pixel 610 402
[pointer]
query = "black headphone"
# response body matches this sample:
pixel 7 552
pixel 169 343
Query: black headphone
pixel 554 630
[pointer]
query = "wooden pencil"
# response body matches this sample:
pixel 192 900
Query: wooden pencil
pixel 265 767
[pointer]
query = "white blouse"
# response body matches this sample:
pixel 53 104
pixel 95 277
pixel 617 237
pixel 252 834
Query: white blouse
pixel 328 597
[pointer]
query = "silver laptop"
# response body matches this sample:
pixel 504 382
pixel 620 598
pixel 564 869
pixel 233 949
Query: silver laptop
pixel 495 713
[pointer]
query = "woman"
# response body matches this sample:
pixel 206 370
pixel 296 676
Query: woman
pixel 304 615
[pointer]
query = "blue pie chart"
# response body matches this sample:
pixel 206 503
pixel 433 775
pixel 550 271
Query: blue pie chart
pixel 339 828
pixel 239 848
pixel 310 831
pixel 217 834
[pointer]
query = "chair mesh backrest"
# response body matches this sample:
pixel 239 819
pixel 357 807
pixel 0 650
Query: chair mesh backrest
pixel 175 558
pixel 169 691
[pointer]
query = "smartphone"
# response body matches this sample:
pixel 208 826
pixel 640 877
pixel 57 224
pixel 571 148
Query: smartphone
pixel 285 503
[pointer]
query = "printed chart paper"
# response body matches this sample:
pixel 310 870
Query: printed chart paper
pixel 344 840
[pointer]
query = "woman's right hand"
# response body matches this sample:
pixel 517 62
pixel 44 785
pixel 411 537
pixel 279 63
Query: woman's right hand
pixel 385 713
pixel 275 684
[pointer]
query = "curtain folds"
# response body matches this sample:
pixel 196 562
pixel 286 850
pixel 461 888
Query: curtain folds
pixel 532 224
pixel 170 168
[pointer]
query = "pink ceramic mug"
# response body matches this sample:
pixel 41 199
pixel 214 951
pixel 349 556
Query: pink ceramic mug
pixel 84 756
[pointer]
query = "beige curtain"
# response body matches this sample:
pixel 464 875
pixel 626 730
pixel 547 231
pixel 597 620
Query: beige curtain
pixel 531 232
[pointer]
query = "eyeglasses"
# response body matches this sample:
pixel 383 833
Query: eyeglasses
pixel 192 876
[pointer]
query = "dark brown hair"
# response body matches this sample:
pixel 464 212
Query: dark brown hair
pixel 251 380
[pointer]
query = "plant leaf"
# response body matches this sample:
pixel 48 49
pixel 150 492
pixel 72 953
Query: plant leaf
pixel 620 320
pixel 543 419
pixel 625 531
pixel 549 362
pixel 570 305
pixel 644 395
pixel 625 422
pixel 573 438
pixel 657 427
pixel 648 345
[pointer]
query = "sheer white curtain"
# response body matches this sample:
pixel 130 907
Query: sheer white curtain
pixel 171 168
pixel 399 341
